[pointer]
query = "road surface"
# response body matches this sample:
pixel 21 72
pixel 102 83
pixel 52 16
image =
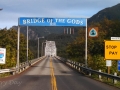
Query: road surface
pixel 38 77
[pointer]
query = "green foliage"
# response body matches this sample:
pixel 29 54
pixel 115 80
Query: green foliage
pixel 61 40
pixel 97 62
pixel 76 49
pixel 8 40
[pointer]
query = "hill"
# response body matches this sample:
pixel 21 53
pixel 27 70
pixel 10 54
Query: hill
pixel 36 31
pixel 111 13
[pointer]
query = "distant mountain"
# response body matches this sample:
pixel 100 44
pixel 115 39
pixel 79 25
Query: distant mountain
pixel 111 13
pixel 36 31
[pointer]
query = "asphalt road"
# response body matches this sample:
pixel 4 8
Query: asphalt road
pixel 67 79
pixel 38 77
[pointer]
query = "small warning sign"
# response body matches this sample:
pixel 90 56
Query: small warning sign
pixel 2 55
pixel 93 32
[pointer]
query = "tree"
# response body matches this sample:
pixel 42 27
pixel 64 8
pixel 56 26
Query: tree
pixel 95 46
pixel 8 40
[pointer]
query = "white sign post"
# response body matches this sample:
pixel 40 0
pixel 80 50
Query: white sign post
pixel 108 63
pixel 2 55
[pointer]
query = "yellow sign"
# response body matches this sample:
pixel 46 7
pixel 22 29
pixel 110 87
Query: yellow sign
pixel 112 50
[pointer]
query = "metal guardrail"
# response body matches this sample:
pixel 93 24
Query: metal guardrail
pixel 81 68
pixel 6 70
pixel 22 67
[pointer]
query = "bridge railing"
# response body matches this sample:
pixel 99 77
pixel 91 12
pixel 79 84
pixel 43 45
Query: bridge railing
pixel 87 71
pixel 22 67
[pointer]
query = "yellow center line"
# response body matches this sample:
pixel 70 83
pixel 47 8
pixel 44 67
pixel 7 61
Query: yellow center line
pixel 53 79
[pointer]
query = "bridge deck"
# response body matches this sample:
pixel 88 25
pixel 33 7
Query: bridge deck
pixel 38 77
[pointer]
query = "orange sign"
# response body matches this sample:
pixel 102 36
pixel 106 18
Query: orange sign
pixel 112 50
pixel 93 32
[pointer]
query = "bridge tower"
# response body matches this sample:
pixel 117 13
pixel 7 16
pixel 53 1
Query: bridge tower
pixel 50 48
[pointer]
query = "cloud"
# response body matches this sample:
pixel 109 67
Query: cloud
pixel 13 9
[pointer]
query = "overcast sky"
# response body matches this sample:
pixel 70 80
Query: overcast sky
pixel 13 9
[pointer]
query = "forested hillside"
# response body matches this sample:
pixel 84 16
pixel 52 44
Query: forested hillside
pixel 111 13
pixel 39 31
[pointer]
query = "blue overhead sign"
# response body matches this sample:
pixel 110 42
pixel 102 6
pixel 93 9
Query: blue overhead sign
pixel 38 21
pixel 118 65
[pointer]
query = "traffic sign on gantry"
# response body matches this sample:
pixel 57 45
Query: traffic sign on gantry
pixel 112 50
pixel 42 21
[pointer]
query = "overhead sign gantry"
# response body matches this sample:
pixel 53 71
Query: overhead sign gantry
pixel 38 21
pixel 45 21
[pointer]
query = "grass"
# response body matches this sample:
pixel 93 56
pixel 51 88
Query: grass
pixel 2 75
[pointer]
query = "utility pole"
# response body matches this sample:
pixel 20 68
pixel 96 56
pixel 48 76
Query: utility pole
pixel 38 45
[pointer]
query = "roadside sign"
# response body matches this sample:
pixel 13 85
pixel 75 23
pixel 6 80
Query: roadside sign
pixel 118 65
pixel 112 50
pixel 2 55
pixel 93 32
pixel 108 63
pixel 115 38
